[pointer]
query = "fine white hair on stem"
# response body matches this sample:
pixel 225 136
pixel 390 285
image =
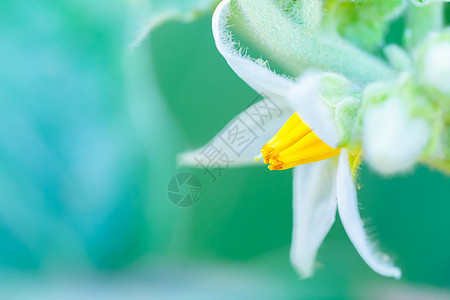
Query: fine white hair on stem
pixel 423 3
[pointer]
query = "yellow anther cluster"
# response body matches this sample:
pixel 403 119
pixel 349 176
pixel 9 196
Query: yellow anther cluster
pixel 295 144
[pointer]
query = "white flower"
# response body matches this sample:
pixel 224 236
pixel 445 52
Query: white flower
pixel 404 120
pixel 320 187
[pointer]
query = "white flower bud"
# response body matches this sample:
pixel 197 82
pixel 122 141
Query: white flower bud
pixel 393 141
pixel 433 63
pixel 436 69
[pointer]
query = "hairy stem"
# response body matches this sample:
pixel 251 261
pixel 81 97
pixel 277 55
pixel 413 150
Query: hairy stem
pixel 299 47
pixel 420 21
pixel 310 12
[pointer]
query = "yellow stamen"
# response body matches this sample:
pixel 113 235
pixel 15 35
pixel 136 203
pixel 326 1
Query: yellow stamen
pixel 355 163
pixel 292 131
pixel 258 157
pixel 295 144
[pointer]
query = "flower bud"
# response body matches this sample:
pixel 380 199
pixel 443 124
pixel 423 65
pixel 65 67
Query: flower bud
pixel 433 63
pixel 393 139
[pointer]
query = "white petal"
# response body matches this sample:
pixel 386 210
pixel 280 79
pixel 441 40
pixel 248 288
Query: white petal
pixel 305 99
pixel 393 142
pixel 261 79
pixel 242 138
pixel 314 211
pixel 303 94
pixel 351 220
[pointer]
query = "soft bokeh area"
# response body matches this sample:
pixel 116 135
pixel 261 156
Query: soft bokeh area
pixel 89 133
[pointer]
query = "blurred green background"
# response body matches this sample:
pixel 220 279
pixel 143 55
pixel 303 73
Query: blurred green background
pixel 89 132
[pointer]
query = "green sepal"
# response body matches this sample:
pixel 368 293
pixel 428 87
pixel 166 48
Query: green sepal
pixel 363 22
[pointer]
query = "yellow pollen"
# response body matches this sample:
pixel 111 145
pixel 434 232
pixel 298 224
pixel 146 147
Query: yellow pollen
pixel 295 144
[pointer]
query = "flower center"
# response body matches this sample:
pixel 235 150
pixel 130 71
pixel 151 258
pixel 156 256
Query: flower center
pixel 295 144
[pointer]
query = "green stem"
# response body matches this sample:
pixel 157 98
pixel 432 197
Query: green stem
pixel 298 47
pixel 310 12
pixel 420 21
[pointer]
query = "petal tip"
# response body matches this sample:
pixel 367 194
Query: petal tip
pixel 303 267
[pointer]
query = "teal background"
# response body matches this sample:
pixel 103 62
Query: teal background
pixel 89 132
